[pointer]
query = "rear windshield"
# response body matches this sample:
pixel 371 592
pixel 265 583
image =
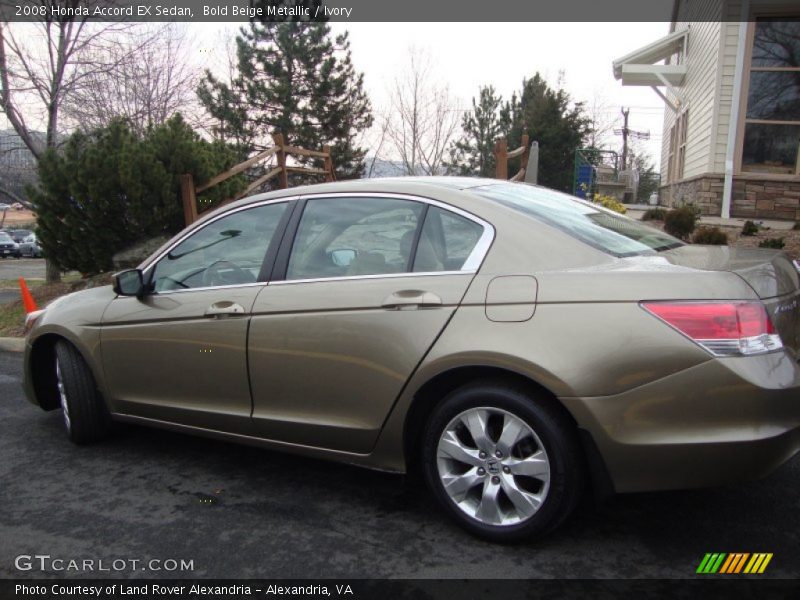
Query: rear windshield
pixel 592 224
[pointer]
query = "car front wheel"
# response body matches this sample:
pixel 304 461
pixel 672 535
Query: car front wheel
pixel 505 466
pixel 86 417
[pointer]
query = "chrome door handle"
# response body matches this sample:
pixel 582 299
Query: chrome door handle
pixel 225 308
pixel 406 299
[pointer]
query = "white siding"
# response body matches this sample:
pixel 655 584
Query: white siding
pixel 708 87
pixel 729 40
pixel 703 20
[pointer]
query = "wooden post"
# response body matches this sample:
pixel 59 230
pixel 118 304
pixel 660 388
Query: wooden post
pixel 501 159
pixel 283 179
pixel 329 174
pixel 523 161
pixel 189 198
pixel 532 170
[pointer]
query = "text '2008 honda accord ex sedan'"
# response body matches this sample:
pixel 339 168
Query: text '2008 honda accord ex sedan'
pixel 517 346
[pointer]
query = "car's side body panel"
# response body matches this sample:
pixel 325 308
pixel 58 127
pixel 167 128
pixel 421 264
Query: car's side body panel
pixel 164 358
pixel 328 358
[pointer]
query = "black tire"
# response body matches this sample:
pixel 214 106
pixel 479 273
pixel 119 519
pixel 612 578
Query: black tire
pixel 87 419
pixel 557 434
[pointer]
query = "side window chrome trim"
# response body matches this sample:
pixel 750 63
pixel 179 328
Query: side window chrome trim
pixel 148 270
pixel 210 287
pixel 378 276
pixel 471 265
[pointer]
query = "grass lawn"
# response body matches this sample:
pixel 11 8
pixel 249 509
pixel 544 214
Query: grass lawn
pixel 12 314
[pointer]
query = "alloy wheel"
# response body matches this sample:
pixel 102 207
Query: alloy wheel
pixel 493 466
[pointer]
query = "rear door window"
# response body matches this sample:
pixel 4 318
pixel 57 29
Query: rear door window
pixel 446 241
pixel 348 237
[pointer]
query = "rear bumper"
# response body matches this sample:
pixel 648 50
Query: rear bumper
pixel 723 421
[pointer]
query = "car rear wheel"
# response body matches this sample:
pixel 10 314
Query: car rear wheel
pixel 503 465
pixel 86 417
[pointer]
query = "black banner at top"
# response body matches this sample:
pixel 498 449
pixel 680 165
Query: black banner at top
pixel 369 10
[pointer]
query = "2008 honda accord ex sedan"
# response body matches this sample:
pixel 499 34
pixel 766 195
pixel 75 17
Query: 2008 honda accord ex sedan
pixel 517 346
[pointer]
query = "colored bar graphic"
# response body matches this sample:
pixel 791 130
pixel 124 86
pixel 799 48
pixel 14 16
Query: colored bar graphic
pixel 704 564
pixel 741 563
pixel 711 562
pixel 733 563
pixel 732 558
pixel 758 563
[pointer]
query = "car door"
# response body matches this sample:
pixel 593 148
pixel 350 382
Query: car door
pixel 179 353
pixel 363 286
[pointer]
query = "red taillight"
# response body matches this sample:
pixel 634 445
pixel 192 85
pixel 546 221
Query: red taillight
pixel 722 328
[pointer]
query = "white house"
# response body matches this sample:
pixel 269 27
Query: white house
pixel 729 74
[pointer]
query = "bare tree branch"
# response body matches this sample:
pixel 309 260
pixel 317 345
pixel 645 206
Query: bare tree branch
pixel 423 118
pixel 145 87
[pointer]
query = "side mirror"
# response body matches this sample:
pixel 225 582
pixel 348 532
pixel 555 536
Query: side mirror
pixel 343 257
pixel 129 283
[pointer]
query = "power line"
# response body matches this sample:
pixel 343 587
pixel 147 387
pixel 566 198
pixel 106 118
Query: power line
pixel 625 132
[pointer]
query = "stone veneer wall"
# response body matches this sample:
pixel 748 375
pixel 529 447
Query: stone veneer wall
pixel 752 198
pixel 766 199
pixel 704 191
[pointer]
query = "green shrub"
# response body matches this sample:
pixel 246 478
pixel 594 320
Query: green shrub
pixel 610 203
pixel 681 221
pixel 110 188
pixel 710 235
pixel 654 214
pixel 749 228
pixel 776 243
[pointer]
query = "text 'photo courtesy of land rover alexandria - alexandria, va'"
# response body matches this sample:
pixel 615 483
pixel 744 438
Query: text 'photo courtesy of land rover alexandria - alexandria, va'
pixel 516 346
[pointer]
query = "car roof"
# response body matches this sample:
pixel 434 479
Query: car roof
pixel 413 185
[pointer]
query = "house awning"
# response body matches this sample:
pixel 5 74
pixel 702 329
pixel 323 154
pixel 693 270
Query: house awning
pixel 637 68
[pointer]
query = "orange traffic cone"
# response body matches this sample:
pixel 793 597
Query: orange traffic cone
pixel 27 299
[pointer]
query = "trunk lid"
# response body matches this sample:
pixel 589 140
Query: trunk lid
pixel 771 273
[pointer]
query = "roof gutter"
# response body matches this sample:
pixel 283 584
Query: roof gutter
pixel 733 124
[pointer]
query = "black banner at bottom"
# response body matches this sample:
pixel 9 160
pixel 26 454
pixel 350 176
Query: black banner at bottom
pixel 416 589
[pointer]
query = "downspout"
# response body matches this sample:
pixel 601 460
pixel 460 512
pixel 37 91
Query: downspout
pixel 738 76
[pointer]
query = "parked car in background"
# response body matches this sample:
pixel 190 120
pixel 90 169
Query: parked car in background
pixel 19 235
pixel 513 344
pixel 30 247
pixel 8 247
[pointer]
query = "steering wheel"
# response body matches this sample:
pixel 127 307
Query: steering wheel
pixel 212 275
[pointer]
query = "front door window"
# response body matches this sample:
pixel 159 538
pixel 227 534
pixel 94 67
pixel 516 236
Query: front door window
pixel 228 251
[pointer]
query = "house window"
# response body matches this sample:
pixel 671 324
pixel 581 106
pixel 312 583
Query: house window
pixel 683 122
pixel 677 147
pixel 772 120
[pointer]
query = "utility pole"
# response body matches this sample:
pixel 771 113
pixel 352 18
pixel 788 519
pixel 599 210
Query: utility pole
pixel 625 113
pixel 625 132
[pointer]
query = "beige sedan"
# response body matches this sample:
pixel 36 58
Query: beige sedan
pixel 515 345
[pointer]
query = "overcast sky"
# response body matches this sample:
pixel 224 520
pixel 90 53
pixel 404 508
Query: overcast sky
pixel 468 55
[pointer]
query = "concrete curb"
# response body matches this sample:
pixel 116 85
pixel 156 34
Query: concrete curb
pixel 11 344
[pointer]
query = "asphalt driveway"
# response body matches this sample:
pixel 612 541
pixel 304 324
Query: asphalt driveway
pixel 242 512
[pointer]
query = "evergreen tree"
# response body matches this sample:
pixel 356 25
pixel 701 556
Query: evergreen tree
pixel 548 116
pixel 560 126
pixel 293 77
pixel 649 179
pixel 488 120
pixel 109 189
